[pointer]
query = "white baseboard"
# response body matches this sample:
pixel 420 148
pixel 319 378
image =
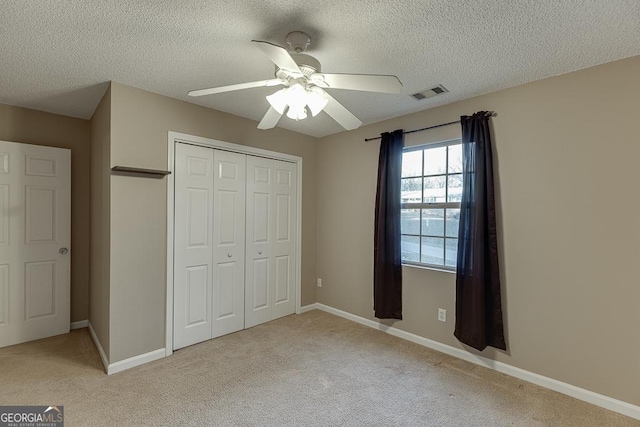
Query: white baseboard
pixel 309 307
pixel 136 361
pixel 96 341
pixel 603 401
pixel 112 368
pixel 79 324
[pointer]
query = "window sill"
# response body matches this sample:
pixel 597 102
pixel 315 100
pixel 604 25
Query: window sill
pixel 429 267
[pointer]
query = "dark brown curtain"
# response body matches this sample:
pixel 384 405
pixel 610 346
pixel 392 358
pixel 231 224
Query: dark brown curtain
pixel 478 303
pixel 387 267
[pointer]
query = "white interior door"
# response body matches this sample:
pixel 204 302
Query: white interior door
pixel 271 240
pixel 228 242
pixel 193 254
pixel 35 212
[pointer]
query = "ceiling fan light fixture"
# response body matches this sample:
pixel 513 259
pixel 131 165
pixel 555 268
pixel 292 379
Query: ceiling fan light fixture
pixel 297 98
pixel 297 112
pixel 304 83
pixel 316 100
pixel 278 100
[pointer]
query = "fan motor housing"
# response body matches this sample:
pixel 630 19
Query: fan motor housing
pixel 307 63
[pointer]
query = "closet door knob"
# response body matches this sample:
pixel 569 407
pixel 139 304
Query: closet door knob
pixel 260 252
pixel 229 255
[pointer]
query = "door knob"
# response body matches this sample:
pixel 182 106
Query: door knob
pixel 260 252
pixel 229 255
pixel 63 251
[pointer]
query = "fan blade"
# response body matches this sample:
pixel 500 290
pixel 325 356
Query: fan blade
pixel 341 114
pixel 363 82
pixel 270 119
pixel 221 89
pixel 279 56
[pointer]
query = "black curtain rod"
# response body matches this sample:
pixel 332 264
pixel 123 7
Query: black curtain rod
pixel 489 113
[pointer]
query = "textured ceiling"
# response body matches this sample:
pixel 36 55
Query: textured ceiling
pixel 57 55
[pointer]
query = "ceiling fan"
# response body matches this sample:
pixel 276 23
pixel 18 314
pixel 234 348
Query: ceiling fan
pixel 305 85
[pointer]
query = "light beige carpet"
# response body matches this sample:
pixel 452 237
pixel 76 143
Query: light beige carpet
pixel 312 369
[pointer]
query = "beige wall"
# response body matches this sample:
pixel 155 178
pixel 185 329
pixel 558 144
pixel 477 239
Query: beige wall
pixel 99 303
pixel 139 125
pixel 566 154
pixel 36 127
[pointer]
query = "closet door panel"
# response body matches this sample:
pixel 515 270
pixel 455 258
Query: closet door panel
pixel 284 242
pixel 228 242
pixel 192 245
pixel 260 232
pixel 283 279
pixel 260 284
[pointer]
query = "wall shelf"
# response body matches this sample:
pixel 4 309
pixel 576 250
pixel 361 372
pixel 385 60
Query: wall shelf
pixel 149 173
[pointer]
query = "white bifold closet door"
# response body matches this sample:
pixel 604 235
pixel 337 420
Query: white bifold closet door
pixel 271 240
pixel 209 244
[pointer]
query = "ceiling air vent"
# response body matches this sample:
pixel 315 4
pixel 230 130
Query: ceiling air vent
pixel 428 93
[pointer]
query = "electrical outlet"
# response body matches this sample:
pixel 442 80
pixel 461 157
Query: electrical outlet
pixel 319 282
pixel 442 315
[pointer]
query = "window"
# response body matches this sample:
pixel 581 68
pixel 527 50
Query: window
pixel 431 195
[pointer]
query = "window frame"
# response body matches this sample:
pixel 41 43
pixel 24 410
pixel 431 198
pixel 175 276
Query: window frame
pixel 432 205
